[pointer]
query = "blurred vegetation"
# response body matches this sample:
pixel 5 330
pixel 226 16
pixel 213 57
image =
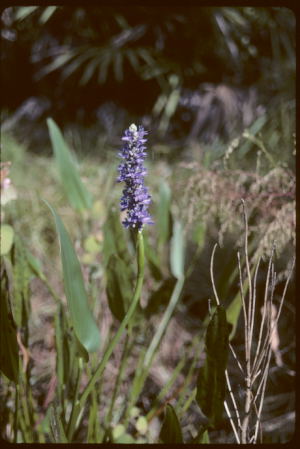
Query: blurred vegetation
pixel 96 64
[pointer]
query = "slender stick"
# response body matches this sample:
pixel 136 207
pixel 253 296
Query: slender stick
pixel 233 399
pixel 212 274
pixel 232 423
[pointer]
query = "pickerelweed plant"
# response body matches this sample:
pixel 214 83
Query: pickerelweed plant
pixel 96 397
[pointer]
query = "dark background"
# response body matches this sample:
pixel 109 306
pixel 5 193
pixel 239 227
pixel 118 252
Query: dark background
pixel 79 64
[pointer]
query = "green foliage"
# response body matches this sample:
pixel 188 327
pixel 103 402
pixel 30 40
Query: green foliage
pixel 118 288
pixel 154 354
pixel 85 327
pixel 171 431
pixel 9 349
pixel 211 380
pixel 7 238
pixel 77 194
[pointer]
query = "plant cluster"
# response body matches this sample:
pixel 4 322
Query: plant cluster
pixel 102 357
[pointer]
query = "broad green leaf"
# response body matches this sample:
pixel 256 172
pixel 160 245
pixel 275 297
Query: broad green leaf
pixel 9 349
pixel 177 251
pixel 163 213
pixel 118 288
pixel 82 319
pixel 171 431
pixel 211 380
pixel 7 238
pixel 76 192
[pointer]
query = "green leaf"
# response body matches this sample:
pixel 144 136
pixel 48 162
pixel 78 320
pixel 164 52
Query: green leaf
pixel 233 312
pixel 211 380
pixel 160 298
pixel 9 349
pixel 24 11
pixel 82 319
pixel 114 239
pixel 199 234
pixel 21 280
pixel 35 265
pixel 163 213
pixel 171 431
pixel 76 192
pixel 47 14
pixel 177 251
pixel 203 438
pixel 153 260
pixel 118 288
pixel 81 351
pixel 256 126
pixel 7 238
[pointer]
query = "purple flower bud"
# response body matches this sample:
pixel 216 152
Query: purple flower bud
pixel 136 198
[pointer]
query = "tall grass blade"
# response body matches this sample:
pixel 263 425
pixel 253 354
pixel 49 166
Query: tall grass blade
pixel 82 319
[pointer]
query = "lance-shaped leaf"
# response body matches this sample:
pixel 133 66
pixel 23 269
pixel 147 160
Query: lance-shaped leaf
pixel 171 431
pixel 76 192
pixel 118 288
pixel 9 349
pixel 211 380
pixel 82 319
pixel 7 238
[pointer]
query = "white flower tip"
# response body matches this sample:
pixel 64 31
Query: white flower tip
pixel 133 128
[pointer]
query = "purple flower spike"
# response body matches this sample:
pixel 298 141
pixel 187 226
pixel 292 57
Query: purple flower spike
pixel 136 198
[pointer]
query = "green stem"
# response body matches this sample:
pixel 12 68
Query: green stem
pixel 164 322
pixel 142 374
pixel 75 405
pixel 138 289
pixel 16 418
pixel 118 380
